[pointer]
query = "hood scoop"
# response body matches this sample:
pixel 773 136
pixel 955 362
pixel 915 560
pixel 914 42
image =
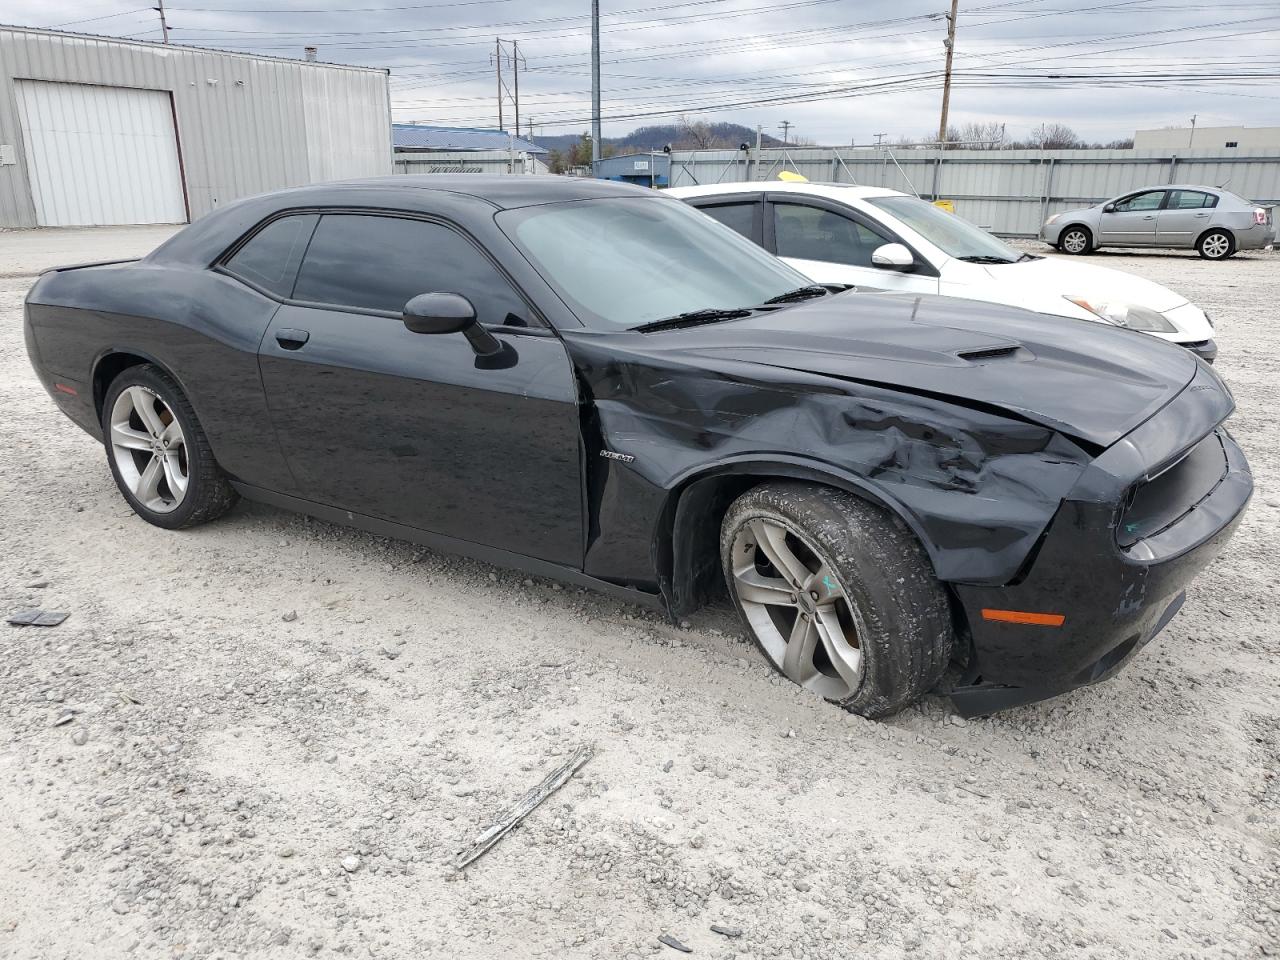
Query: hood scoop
pixel 1007 351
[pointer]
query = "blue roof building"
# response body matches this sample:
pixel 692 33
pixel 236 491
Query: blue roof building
pixel 644 169
pixel 420 137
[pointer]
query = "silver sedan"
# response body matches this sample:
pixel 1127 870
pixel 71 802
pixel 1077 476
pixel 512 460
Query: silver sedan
pixel 1214 222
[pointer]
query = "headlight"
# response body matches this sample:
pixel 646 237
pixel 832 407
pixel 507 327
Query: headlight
pixel 1051 219
pixel 1128 315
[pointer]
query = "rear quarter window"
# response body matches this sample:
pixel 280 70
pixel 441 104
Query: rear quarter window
pixel 270 258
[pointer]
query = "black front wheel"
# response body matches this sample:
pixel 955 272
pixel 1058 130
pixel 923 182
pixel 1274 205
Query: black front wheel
pixel 838 594
pixel 158 453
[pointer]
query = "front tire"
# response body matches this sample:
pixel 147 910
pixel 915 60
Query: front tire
pixel 158 453
pixel 838 594
pixel 1216 245
pixel 1076 241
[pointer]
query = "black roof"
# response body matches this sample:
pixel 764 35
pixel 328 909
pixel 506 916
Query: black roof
pixel 211 234
pixel 501 191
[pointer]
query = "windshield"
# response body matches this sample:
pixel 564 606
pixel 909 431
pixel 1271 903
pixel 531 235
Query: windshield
pixel 950 234
pixel 621 262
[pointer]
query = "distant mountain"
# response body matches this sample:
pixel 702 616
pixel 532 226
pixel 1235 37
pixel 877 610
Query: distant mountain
pixel 695 136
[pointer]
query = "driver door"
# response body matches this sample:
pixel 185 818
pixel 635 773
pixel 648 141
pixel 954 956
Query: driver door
pixel 828 245
pixel 1133 220
pixel 406 427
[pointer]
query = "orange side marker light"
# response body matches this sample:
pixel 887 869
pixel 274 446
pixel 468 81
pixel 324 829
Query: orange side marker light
pixel 1023 616
pixel 63 388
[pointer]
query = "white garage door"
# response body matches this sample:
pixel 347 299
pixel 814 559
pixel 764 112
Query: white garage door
pixel 100 155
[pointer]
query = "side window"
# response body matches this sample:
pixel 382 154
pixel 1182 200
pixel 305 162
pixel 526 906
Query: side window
pixel 809 233
pixel 271 256
pixel 375 262
pixel 1142 201
pixel 736 216
pixel 1190 200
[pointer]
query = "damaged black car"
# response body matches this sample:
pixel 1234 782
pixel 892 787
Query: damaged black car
pixel 596 383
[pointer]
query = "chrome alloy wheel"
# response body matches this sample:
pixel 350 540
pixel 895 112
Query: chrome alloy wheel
pixel 798 609
pixel 1215 247
pixel 149 448
pixel 1075 241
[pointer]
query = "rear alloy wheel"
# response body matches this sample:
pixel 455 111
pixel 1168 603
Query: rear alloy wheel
pixel 158 453
pixel 1075 241
pixel 837 594
pixel 1216 245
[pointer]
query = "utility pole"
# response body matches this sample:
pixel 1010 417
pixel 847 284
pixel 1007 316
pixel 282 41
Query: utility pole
pixel 755 174
pixel 595 80
pixel 515 66
pixel 164 24
pixel 1191 139
pixel 784 126
pixel 950 44
pixel 497 59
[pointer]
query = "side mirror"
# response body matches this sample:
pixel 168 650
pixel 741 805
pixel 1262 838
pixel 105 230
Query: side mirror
pixel 1109 208
pixel 893 256
pixel 449 313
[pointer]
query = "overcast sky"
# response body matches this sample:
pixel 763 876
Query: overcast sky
pixel 864 66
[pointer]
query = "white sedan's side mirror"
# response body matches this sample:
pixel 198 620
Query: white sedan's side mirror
pixel 893 256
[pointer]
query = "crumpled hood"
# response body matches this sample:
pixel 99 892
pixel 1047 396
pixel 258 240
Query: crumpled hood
pixel 1089 381
pixel 1055 277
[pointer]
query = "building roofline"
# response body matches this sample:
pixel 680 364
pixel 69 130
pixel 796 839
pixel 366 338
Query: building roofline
pixel 154 44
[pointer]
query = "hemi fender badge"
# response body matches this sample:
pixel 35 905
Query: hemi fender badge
pixel 620 457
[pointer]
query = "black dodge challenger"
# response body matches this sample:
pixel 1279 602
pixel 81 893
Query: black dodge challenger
pixel 597 383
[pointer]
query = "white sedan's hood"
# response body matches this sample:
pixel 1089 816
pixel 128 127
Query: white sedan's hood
pixel 1045 284
pixel 1050 275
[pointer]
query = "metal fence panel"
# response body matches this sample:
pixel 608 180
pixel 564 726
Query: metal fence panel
pixel 1007 191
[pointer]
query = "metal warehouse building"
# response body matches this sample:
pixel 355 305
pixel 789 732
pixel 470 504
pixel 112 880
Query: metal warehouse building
pixel 96 130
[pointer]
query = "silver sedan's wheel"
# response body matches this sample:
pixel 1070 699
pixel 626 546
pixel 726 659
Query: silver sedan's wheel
pixel 149 449
pixel 1215 246
pixel 794 602
pixel 1075 241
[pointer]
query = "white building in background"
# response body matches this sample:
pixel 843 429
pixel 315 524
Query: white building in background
pixel 1208 138
pixel 96 130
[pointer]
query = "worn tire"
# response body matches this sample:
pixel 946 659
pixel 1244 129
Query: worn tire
pixel 1210 246
pixel 1080 242
pixel 209 495
pixel 882 568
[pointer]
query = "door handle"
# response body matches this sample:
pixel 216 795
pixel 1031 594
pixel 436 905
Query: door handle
pixel 291 338
pixel 1150 216
pixel 1201 216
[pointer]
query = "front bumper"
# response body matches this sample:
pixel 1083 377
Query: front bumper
pixel 1113 599
pixel 1206 350
pixel 1050 232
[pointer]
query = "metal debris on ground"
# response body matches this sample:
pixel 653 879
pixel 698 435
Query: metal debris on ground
pixel 731 932
pixel 674 944
pixel 36 618
pixel 523 807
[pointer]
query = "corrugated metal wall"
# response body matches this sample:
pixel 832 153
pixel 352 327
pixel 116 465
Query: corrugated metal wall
pixel 1010 192
pixel 245 124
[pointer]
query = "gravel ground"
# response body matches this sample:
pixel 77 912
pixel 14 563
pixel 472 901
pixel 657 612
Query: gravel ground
pixel 235 781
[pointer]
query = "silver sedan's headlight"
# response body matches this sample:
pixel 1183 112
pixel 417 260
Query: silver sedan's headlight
pixel 1128 315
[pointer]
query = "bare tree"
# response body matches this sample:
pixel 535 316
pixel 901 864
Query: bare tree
pixel 696 134
pixel 981 135
pixel 1055 136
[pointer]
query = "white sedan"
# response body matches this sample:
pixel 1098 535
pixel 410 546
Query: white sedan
pixel 884 240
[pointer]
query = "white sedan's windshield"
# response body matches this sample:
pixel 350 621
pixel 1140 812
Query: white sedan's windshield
pixel 950 234
pixel 622 262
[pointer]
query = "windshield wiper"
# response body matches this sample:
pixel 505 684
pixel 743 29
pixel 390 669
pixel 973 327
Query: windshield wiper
pixel 693 318
pixel 800 293
pixel 985 259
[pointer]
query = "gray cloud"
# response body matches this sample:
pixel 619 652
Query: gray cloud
pixel 866 68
